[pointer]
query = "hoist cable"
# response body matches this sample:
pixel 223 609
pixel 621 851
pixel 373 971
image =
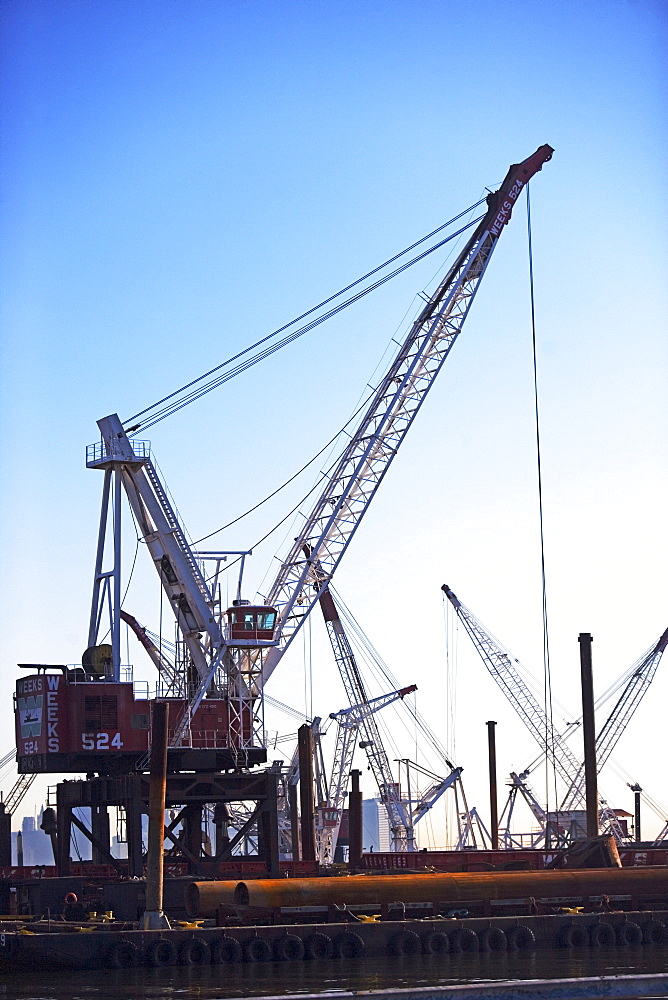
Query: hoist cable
pixel 155 415
pixel 547 677
pixel 287 482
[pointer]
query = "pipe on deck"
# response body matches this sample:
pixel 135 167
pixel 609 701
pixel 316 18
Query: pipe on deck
pixel 202 898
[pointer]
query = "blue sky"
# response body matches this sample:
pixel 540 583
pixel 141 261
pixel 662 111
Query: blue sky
pixel 179 179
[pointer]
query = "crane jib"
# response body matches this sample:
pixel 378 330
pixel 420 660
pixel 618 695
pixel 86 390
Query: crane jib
pixel 507 195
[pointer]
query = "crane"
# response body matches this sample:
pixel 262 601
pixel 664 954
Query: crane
pixel 401 829
pixel 219 661
pixel 350 721
pixel 640 676
pixel 499 664
pixel 519 786
pixel 358 472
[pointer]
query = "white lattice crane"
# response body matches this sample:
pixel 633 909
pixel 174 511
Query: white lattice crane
pixel 501 666
pixel 215 665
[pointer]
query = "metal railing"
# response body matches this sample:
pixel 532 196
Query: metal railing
pixel 98 452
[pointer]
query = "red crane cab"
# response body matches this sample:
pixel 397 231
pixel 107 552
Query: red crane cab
pixel 251 624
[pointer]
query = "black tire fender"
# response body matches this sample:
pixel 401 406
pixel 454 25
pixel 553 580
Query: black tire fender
pixel 629 934
pixel 225 949
pixel 464 940
pixel 160 954
pixel 123 955
pixel 435 943
pixel 349 945
pixel 318 946
pixel 574 936
pixel 404 943
pixel 289 948
pixel 601 935
pixel 493 939
pixel 520 938
pixel 8 946
pixel 194 951
pixel 654 932
pixel 257 949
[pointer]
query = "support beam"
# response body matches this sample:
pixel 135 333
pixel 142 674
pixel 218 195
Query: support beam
pixel 5 837
pixel 493 795
pixel 589 733
pixel 133 814
pixel 307 801
pixel 637 835
pixel 154 918
pixel 63 835
pixel 99 825
pixel 355 821
pixel 294 821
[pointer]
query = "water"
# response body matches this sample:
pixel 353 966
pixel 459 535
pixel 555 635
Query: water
pixel 274 978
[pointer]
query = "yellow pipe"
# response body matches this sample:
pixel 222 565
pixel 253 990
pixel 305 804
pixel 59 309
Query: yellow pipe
pixel 203 898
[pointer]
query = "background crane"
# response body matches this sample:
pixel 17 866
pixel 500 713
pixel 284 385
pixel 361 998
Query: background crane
pixel 508 678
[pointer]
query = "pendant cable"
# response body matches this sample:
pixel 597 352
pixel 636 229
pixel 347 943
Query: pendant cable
pixel 547 676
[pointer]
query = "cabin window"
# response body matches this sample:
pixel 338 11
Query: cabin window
pixel 266 619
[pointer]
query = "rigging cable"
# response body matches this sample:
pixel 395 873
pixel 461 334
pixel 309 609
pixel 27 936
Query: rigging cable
pixel 287 483
pixel 547 677
pixel 154 415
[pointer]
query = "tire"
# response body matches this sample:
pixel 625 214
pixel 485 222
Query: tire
pixel 160 954
pixel 629 934
pixel 289 948
pixel 493 939
pixel 123 955
pixel 194 951
pixel 404 943
pixel 256 949
pixel 435 943
pixel 574 936
pixel 349 945
pixel 318 946
pixel 654 932
pixel 601 935
pixel 465 941
pixel 521 938
pixel 226 950
pixel 8 947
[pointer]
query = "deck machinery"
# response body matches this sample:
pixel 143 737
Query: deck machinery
pixel 87 718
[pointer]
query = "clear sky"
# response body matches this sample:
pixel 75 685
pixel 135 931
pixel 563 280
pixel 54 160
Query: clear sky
pixel 180 179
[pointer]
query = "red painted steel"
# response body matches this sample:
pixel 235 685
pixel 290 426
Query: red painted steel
pixel 60 713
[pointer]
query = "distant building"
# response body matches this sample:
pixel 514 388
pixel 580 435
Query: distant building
pixel 36 845
pixel 375 826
